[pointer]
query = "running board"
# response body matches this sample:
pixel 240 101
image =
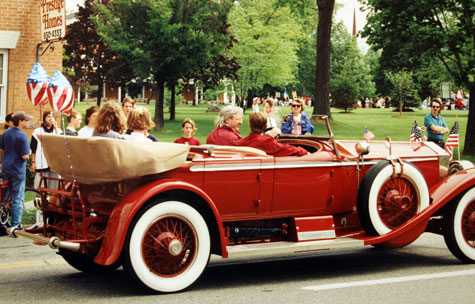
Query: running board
pixel 290 247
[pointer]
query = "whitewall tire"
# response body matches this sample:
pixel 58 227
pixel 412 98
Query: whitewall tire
pixel 168 246
pixel 460 230
pixel 386 202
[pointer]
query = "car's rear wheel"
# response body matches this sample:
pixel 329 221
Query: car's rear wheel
pixel 168 246
pixel 385 201
pixel 460 230
pixel 85 263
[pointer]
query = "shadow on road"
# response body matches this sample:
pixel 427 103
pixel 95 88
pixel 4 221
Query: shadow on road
pixel 271 270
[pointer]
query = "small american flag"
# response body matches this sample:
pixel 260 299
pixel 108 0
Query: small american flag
pixel 368 135
pixel 452 140
pixel 416 135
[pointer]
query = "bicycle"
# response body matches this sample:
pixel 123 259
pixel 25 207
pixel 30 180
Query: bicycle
pixel 31 194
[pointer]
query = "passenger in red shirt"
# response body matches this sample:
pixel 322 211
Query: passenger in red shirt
pixel 188 129
pixel 268 144
pixel 227 127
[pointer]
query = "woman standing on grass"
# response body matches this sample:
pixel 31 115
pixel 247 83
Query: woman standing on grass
pixel 298 122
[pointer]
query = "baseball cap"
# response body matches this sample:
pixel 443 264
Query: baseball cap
pixel 20 115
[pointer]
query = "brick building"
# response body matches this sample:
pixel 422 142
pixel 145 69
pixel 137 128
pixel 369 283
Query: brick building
pixel 19 36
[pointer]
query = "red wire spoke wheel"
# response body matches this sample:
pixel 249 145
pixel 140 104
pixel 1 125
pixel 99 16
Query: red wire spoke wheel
pixel 390 196
pixel 460 230
pixel 397 202
pixel 468 224
pixel 168 246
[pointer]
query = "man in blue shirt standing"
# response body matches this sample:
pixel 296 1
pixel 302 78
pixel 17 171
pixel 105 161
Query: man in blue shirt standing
pixel 16 149
pixel 435 124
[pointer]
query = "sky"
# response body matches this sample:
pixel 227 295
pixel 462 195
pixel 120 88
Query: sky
pixel 345 14
pixel 71 4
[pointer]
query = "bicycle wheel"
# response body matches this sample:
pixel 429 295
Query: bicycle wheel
pixel 5 215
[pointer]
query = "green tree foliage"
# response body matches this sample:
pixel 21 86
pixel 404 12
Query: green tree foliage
pixel 409 31
pixel 88 56
pixel 165 39
pixel 266 46
pixel 349 74
pixel 305 13
pixel 403 89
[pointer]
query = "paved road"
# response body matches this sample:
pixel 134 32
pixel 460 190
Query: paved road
pixel 424 272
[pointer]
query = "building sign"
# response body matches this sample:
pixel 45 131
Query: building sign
pixel 53 19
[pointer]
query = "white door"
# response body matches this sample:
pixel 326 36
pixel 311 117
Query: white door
pixel 3 83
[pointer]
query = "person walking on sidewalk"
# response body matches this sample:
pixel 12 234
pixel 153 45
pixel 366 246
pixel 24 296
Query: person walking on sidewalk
pixel 14 144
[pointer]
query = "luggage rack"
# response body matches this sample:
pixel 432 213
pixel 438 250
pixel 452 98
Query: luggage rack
pixel 66 214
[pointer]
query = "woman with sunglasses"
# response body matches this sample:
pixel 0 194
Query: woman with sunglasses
pixel 435 124
pixel 297 122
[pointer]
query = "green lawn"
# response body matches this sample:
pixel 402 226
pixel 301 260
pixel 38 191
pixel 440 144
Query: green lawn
pixel 382 122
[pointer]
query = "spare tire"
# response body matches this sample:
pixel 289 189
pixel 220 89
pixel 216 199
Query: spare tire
pixel 386 202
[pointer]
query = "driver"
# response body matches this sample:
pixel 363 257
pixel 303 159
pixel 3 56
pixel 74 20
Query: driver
pixel 268 144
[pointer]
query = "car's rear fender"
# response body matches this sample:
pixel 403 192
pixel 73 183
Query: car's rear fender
pixel 441 194
pixel 124 212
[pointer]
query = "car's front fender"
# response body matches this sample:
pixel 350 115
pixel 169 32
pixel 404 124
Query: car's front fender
pixel 451 186
pixel 124 212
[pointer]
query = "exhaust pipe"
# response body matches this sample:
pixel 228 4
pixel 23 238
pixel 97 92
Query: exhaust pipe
pixel 53 242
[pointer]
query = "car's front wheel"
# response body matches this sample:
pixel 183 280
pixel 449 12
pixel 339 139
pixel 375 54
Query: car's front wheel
pixel 460 230
pixel 387 201
pixel 168 246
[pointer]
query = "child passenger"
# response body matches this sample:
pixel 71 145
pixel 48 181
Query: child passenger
pixel 109 122
pixel 188 129
pixel 139 122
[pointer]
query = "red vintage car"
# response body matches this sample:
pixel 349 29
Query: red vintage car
pixel 161 210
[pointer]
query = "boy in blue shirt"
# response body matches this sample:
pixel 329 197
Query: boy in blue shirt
pixel 16 150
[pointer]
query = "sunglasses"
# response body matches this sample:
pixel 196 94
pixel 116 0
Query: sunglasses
pixel 296 106
pixel 435 107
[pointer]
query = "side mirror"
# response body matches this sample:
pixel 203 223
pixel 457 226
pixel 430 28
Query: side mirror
pixel 362 148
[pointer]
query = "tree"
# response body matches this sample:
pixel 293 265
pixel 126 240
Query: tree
pixel 267 44
pixel 165 39
pixel 403 87
pixel 322 79
pixel 408 31
pixel 350 75
pixel 87 55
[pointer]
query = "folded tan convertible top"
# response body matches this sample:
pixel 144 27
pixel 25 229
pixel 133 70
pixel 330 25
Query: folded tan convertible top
pixel 102 160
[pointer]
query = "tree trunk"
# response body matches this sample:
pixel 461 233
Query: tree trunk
pixel 158 119
pixel 172 102
pixel 322 80
pixel 400 104
pixel 251 93
pixel 469 147
pixel 100 88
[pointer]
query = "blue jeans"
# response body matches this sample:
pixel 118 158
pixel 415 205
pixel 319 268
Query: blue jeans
pixel 17 191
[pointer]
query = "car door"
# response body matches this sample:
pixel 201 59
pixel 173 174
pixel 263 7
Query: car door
pixel 302 185
pixel 233 184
